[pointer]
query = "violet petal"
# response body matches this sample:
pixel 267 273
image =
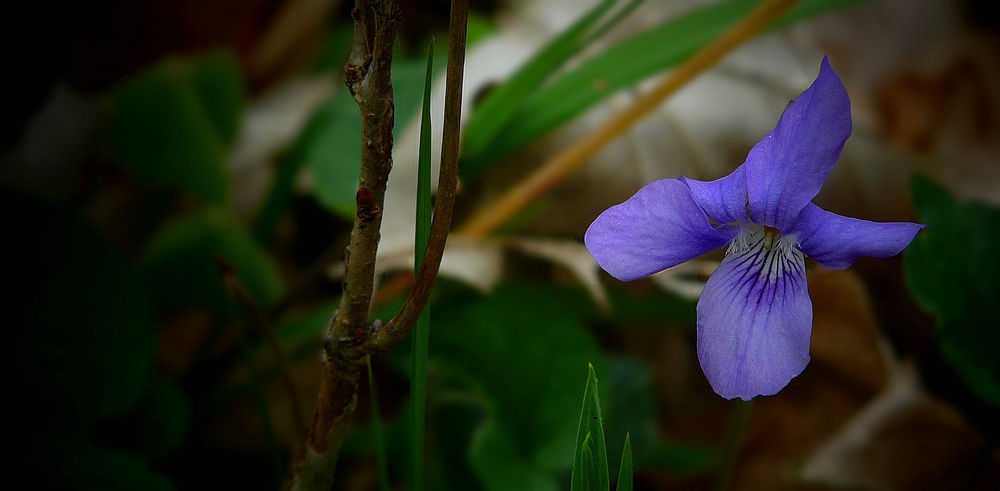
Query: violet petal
pixel 754 320
pixel 659 227
pixel 837 241
pixel 786 169
pixel 724 199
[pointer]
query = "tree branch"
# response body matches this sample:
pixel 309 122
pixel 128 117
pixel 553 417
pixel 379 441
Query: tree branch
pixel 345 347
pixel 349 338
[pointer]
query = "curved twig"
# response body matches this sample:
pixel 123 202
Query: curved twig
pixel 384 339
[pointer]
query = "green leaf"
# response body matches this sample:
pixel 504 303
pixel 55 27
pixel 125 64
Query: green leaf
pixel 179 270
pixel 953 270
pixel 521 349
pixel 175 121
pixel 421 331
pixel 330 146
pixel 620 66
pixel 82 326
pixel 218 80
pixel 501 465
pixel 625 470
pixel 163 416
pixel 590 465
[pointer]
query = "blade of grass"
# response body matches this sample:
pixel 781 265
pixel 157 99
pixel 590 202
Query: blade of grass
pixel 421 331
pixel 622 66
pixel 378 432
pixel 590 464
pixel 625 471
pixel 500 105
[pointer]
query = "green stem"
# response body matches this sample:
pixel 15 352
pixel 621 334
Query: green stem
pixel 731 446
pixel 379 431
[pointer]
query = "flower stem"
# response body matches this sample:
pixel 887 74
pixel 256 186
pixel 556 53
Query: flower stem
pixel 731 446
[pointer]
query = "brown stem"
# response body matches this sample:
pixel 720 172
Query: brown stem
pixel 383 340
pixel 240 293
pixel 344 349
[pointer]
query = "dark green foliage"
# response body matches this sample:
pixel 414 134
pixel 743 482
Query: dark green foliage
pixel 953 269
pixel 176 120
pixel 179 270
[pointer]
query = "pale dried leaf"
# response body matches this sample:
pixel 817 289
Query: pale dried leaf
pixel 686 280
pixel 575 257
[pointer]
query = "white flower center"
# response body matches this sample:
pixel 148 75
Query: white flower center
pixel 772 250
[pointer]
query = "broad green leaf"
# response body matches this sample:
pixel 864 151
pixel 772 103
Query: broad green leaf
pixel 218 80
pixel 953 270
pixel 179 270
pixel 521 348
pixel 175 121
pixel 501 465
pixel 82 326
pixel 457 423
pixel 162 417
pixel 625 470
pixel 590 465
pixel 620 66
pixel 330 146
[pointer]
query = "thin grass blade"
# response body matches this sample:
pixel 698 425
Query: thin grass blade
pixel 590 464
pixel 421 331
pixel 624 65
pixel 625 471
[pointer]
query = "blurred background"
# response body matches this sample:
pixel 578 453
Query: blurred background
pixel 178 182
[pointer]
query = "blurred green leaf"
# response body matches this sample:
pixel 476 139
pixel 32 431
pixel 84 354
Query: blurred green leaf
pixel 953 270
pixel 457 423
pixel 501 465
pixel 632 412
pixel 163 416
pixel 178 264
pixel 625 472
pixel 330 146
pixel 622 65
pixel 82 324
pixel 175 121
pixel 590 464
pixel 218 80
pixel 522 349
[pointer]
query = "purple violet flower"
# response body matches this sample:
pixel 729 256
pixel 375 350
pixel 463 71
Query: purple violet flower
pixel 755 315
